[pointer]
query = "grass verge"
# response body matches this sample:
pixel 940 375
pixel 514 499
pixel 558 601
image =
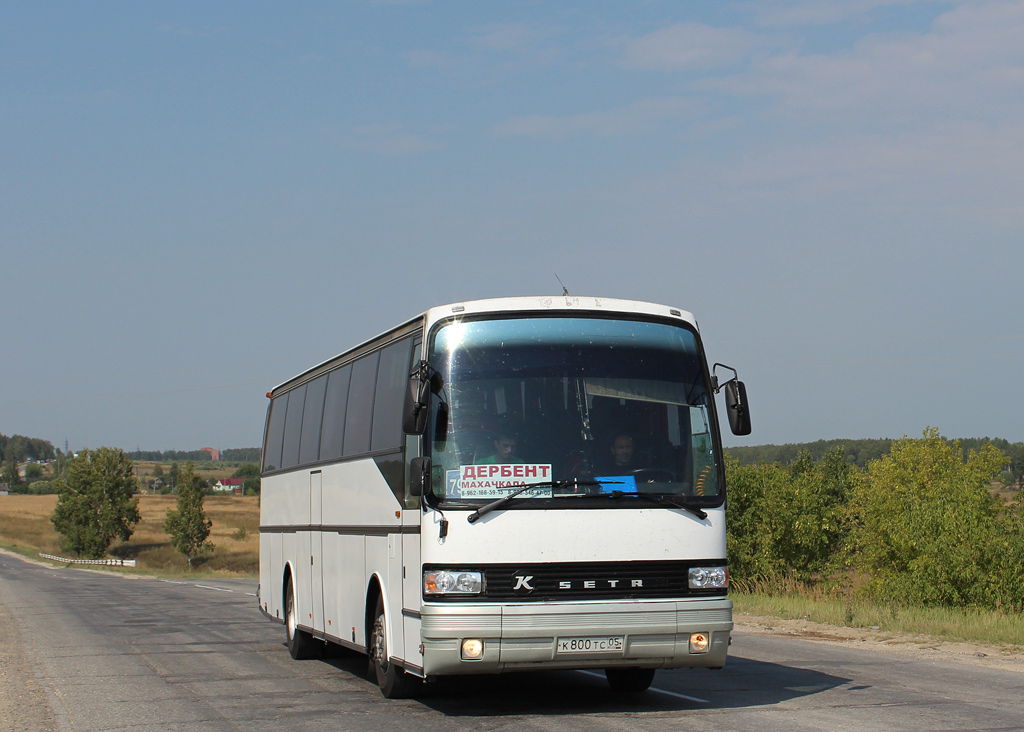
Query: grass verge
pixel 973 626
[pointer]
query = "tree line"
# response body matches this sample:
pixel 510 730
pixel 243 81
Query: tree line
pixel 19 449
pixel 862 452
pixel 237 454
pixel 919 525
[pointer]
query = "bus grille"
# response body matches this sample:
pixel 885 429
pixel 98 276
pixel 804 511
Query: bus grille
pixel 584 581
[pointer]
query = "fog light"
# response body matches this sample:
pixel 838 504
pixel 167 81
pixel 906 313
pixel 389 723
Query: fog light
pixel 699 642
pixel 473 649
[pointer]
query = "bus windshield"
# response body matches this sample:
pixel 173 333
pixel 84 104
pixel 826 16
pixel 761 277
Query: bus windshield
pixel 576 405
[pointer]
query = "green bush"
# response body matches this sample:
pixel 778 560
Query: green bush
pixel 787 520
pixel 41 488
pixel 927 529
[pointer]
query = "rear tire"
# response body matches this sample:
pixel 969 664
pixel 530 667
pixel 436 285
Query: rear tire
pixel 629 680
pixel 301 645
pixel 393 681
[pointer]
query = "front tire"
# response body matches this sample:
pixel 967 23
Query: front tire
pixel 301 645
pixel 629 680
pixel 393 681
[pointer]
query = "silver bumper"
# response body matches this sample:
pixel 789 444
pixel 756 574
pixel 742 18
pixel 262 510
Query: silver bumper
pixel 656 634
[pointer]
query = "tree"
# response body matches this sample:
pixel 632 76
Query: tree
pixel 9 474
pixel 95 503
pixel 249 470
pixel 250 475
pixel 188 526
pixel 788 520
pixel 929 531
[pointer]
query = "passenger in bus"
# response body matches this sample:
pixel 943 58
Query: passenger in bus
pixel 504 450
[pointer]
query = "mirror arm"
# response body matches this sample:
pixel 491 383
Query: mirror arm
pixel 715 383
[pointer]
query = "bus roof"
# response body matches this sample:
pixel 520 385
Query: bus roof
pixel 536 304
pixel 556 303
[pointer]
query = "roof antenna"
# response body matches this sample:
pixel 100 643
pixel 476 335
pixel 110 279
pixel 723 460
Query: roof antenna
pixel 565 290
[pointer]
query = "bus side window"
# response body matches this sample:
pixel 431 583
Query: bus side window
pixel 392 381
pixel 333 430
pixel 293 428
pixel 309 444
pixel 359 415
pixel 275 433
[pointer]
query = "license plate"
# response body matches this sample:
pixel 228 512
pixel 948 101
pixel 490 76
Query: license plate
pixel 591 644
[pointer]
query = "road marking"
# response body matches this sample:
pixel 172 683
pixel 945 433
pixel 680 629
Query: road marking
pixel 656 689
pixel 218 589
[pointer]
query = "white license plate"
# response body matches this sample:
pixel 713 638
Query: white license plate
pixel 591 644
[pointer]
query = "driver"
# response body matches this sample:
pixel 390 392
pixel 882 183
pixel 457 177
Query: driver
pixel 622 452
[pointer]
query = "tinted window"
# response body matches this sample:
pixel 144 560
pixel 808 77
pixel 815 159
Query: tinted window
pixel 334 414
pixel 293 428
pixel 392 383
pixel 275 433
pixel 359 414
pixel 309 445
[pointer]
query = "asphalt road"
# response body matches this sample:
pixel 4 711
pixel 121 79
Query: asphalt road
pixel 85 650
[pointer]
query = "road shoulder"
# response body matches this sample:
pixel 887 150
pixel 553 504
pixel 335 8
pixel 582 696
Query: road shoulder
pixel 878 639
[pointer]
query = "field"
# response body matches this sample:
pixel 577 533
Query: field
pixel 25 527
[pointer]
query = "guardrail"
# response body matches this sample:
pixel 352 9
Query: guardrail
pixel 108 562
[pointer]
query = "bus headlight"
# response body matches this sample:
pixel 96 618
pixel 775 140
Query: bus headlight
pixel 709 578
pixel 446 582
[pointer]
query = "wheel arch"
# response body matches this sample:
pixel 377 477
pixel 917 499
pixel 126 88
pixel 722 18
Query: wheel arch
pixel 374 589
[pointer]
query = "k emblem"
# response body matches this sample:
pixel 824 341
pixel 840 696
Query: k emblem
pixel 522 583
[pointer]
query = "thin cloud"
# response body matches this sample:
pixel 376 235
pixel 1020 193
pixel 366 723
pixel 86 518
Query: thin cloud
pixel 787 13
pixel 970 65
pixel 632 119
pixel 390 138
pixel 688 47
pixel 505 37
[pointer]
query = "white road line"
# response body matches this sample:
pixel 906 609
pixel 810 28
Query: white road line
pixel 659 691
pixel 218 589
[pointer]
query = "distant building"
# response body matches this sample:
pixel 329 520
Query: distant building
pixel 228 485
pixel 214 454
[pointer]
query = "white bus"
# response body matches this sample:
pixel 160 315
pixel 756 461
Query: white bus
pixel 504 485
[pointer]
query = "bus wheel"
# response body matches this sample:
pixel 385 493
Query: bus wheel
pixel 301 644
pixel 629 680
pixel 394 682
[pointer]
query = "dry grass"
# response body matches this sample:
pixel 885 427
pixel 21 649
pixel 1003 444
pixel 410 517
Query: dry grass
pixel 25 527
pixel 845 606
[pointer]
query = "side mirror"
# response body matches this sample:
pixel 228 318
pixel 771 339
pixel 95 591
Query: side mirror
pixel 417 402
pixel 736 406
pixel 419 476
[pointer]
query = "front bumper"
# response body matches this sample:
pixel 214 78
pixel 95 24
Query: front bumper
pixel 519 637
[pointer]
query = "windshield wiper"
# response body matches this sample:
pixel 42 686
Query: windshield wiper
pixel 671 500
pixel 666 498
pixel 495 505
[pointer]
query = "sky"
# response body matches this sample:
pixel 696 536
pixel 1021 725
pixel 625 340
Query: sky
pixel 200 200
